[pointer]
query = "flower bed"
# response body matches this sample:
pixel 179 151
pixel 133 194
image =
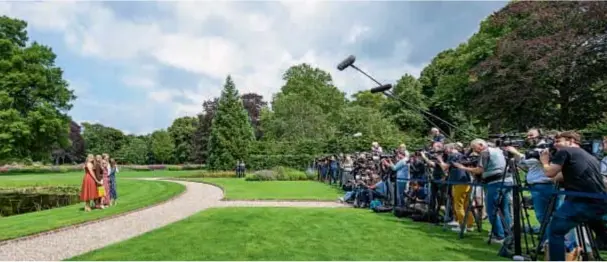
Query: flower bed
pixel 37 169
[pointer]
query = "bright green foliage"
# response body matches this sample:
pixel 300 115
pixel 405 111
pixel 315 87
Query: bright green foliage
pixel 406 112
pixel 367 99
pixel 101 139
pixel 135 151
pixel 231 131
pixel 162 146
pixel 34 97
pixel 182 132
pixel 372 126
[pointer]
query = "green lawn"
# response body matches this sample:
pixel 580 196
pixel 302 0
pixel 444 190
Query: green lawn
pixel 297 234
pixel 132 194
pixel 239 189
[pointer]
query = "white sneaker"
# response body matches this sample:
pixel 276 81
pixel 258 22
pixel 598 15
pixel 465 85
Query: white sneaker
pixel 341 199
pixel 458 229
pixel 453 224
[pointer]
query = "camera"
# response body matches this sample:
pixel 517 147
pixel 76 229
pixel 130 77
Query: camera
pixel 469 160
pixel 503 140
pixel 546 143
pixel 593 144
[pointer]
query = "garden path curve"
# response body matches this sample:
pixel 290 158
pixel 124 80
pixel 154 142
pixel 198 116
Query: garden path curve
pixel 78 240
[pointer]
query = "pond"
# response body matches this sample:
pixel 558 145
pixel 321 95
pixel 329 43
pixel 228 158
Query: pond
pixel 15 201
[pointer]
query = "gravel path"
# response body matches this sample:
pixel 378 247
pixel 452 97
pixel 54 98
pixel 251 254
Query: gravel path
pixel 75 241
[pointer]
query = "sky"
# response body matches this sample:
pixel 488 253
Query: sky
pixel 137 66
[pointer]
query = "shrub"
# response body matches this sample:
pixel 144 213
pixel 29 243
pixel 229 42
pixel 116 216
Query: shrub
pixel 278 173
pixel 215 174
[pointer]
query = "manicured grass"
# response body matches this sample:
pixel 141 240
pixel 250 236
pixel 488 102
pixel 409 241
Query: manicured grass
pixel 272 234
pixel 132 194
pixel 239 189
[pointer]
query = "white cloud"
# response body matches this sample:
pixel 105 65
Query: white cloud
pixel 356 32
pixel 256 48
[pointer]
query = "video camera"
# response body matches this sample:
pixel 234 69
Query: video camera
pixel 592 143
pixel 469 159
pixel 504 140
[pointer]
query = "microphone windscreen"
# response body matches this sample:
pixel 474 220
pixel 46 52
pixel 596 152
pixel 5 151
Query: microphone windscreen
pixel 381 88
pixel 346 63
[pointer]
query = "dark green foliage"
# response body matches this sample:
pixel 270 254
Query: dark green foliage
pixel 101 139
pixel 278 173
pixel 231 131
pixel 34 97
pixel 182 132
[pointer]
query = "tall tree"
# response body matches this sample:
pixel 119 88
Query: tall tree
pixel 231 132
pixel 135 151
pixel 34 97
pixel 407 114
pixel 162 146
pixel 101 139
pixel 77 151
pixel 182 130
pixel 254 103
pixel 550 70
pixel 367 99
pixel 200 139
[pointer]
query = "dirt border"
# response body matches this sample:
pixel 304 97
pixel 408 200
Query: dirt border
pixel 256 200
pixel 85 223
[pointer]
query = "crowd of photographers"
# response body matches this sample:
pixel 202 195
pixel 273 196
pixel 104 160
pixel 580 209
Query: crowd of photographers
pixel 446 180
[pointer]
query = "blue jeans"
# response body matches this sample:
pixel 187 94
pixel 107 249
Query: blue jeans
pixel 401 187
pixel 567 217
pixel 492 192
pixel 541 195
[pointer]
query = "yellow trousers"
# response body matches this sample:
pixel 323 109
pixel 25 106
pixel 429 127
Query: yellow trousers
pixel 461 195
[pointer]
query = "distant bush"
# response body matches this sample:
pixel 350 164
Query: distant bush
pixel 214 174
pixel 278 173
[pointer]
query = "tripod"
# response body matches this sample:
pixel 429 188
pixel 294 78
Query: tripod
pixel 476 210
pixel 520 214
pixel 582 232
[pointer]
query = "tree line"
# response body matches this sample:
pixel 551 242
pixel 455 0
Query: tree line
pixel 531 64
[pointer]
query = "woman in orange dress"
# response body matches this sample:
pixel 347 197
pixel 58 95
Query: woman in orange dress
pixel 88 191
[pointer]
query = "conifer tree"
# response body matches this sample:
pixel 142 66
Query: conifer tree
pixel 231 130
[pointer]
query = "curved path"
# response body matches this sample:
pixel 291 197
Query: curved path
pixel 79 240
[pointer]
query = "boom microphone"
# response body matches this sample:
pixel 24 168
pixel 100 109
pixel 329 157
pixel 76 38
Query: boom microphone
pixel 381 89
pixel 346 63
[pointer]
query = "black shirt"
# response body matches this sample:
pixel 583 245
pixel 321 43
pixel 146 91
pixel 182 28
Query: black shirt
pixel 417 168
pixel 581 171
pixel 438 172
pixel 456 174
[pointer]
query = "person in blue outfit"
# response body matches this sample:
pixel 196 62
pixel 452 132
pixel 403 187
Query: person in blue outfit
pixel 402 174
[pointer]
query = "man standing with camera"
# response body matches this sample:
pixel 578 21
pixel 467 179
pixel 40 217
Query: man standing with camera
pixel 491 167
pixel 437 191
pixel 581 173
pixel 541 187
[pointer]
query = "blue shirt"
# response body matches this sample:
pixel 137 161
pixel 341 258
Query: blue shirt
pixel 535 171
pixel 402 169
pixel 380 187
pixel 438 138
pixel 421 193
pixel 456 174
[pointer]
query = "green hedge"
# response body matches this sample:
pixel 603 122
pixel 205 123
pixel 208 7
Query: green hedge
pixel 279 174
pixel 78 168
pixel 262 162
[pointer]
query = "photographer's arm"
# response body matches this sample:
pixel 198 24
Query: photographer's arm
pixel 478 170
pixel 425 158
pixel 553 169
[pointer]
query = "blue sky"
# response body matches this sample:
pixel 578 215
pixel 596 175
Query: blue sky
pixel 138 65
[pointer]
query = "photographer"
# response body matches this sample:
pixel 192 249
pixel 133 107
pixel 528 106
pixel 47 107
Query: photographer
pixel 402 173
pixel 417 168
pixel 581 172
pixel 436 135
pixel 491 166
pixel 437 191
pixel 541 187
pixel 460 192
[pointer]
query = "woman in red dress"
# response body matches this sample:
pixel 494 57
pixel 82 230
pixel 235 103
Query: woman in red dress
pixel 88 191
